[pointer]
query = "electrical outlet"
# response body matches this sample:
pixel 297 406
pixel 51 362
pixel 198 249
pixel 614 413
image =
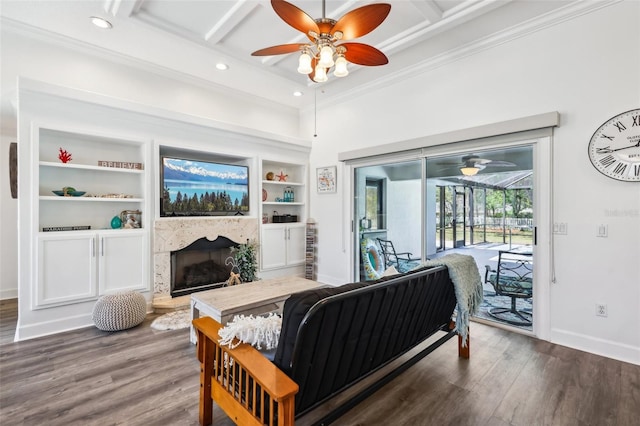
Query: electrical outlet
pixel 601 309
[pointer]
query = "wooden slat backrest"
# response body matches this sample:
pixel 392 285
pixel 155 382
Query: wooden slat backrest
pixel 226 378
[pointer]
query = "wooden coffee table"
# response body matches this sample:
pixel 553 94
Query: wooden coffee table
pixel 254 298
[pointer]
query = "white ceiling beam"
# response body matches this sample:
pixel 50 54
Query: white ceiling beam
pixel 429 9
pixel 452 18
pixel 225 25
pixel 124 8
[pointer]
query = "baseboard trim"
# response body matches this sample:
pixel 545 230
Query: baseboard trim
pixel 325 279
pixel 9 294
pixel 594 345
pixel 32 331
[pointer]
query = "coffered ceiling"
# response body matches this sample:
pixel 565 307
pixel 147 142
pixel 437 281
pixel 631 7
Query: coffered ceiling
pixel 186 39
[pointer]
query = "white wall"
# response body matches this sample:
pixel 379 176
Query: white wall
pixel 588 69
pixel 405 216
pixel 82 69
pixel 8 227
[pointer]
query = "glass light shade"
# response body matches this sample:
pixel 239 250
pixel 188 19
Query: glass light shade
pixel 304 64
pixel 320 75
pixel 469 171
pixel 341 67
pixel 326 56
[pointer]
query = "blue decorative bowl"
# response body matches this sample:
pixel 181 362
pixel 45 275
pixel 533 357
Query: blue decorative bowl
pixel 73 194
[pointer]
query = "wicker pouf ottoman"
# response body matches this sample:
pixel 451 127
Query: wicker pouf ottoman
pixel 119 311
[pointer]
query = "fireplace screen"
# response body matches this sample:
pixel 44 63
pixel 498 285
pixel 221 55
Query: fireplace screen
pixel 201 266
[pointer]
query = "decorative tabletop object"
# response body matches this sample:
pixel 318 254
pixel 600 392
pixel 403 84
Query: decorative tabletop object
pixel 69 191
pixel 64 155
pixel 131 219
pixel 282 177
pixel 116 223
pixel 270 176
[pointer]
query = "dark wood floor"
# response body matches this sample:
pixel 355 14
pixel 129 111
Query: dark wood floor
pixel 147 377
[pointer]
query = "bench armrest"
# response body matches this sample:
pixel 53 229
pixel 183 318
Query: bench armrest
pixel 248 387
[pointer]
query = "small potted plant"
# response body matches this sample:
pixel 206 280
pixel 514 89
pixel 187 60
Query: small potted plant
pixel 245 257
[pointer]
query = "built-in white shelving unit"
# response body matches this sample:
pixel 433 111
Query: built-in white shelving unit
pixel 96 258
pixel 283 241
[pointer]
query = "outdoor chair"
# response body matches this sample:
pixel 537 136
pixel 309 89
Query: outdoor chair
pixel 403 262
pixel 512 278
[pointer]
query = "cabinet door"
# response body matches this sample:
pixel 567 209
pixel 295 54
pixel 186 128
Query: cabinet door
pixel 273 246
pixel 66 269
pixel 122 261
pixel 295 244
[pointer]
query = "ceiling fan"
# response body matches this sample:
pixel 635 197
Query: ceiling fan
pixel 472 164
pixel 322 52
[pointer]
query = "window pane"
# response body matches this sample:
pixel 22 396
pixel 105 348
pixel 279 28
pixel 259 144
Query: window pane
pixel 389 207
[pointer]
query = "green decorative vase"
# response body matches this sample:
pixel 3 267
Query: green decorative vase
pixel 116 223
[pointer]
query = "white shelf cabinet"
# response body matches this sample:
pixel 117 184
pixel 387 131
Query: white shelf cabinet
pixel 66 269
pixel 81 265
pixel 273 190
pixel 122 261
pixel 108 190
pixel 282 245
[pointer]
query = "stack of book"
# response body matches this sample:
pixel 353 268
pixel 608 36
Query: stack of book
pixel 310 253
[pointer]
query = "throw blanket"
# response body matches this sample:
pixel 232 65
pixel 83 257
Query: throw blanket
pixel 468 287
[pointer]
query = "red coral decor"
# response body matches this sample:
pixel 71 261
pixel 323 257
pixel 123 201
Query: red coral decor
pixel 64 156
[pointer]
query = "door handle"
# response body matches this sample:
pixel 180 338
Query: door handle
pixel 102 247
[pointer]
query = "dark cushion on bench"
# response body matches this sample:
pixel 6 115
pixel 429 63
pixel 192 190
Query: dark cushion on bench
pixel 295 308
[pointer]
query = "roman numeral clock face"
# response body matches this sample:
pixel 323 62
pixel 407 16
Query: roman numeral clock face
pixel 614 149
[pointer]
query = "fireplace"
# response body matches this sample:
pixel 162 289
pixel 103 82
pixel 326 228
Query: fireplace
pixel 173 234
pixel 202 265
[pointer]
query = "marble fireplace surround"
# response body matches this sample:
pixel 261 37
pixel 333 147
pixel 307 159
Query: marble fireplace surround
pixel 170 234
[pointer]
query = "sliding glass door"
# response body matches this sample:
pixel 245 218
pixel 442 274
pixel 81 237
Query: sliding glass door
pixel 476 203
pixel 388 217
pixel 485 210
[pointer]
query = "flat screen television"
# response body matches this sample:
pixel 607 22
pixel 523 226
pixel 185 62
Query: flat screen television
pixel 203 188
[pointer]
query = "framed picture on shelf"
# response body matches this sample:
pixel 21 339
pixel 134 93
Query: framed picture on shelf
pixel 131 219
pixel 326 178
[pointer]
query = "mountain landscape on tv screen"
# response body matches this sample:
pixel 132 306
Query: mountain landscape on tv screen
pixel 195 172
pixel 196 188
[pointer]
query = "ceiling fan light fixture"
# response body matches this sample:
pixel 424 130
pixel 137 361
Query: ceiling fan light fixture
pixel 323 35
pixel 341 67
pixel 469 171
pixel 326 56
pixel 320 75
pixel 304 63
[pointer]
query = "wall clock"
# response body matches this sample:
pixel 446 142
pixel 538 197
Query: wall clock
pixel 614 149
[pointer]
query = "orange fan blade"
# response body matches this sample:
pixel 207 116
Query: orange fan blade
pixel 361 21
pixel 281 49
pixel 363 54
pixel 295 17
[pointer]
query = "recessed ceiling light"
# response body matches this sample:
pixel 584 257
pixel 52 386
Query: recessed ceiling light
pixel 222 66
pixel 101 22
pixel 297 93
